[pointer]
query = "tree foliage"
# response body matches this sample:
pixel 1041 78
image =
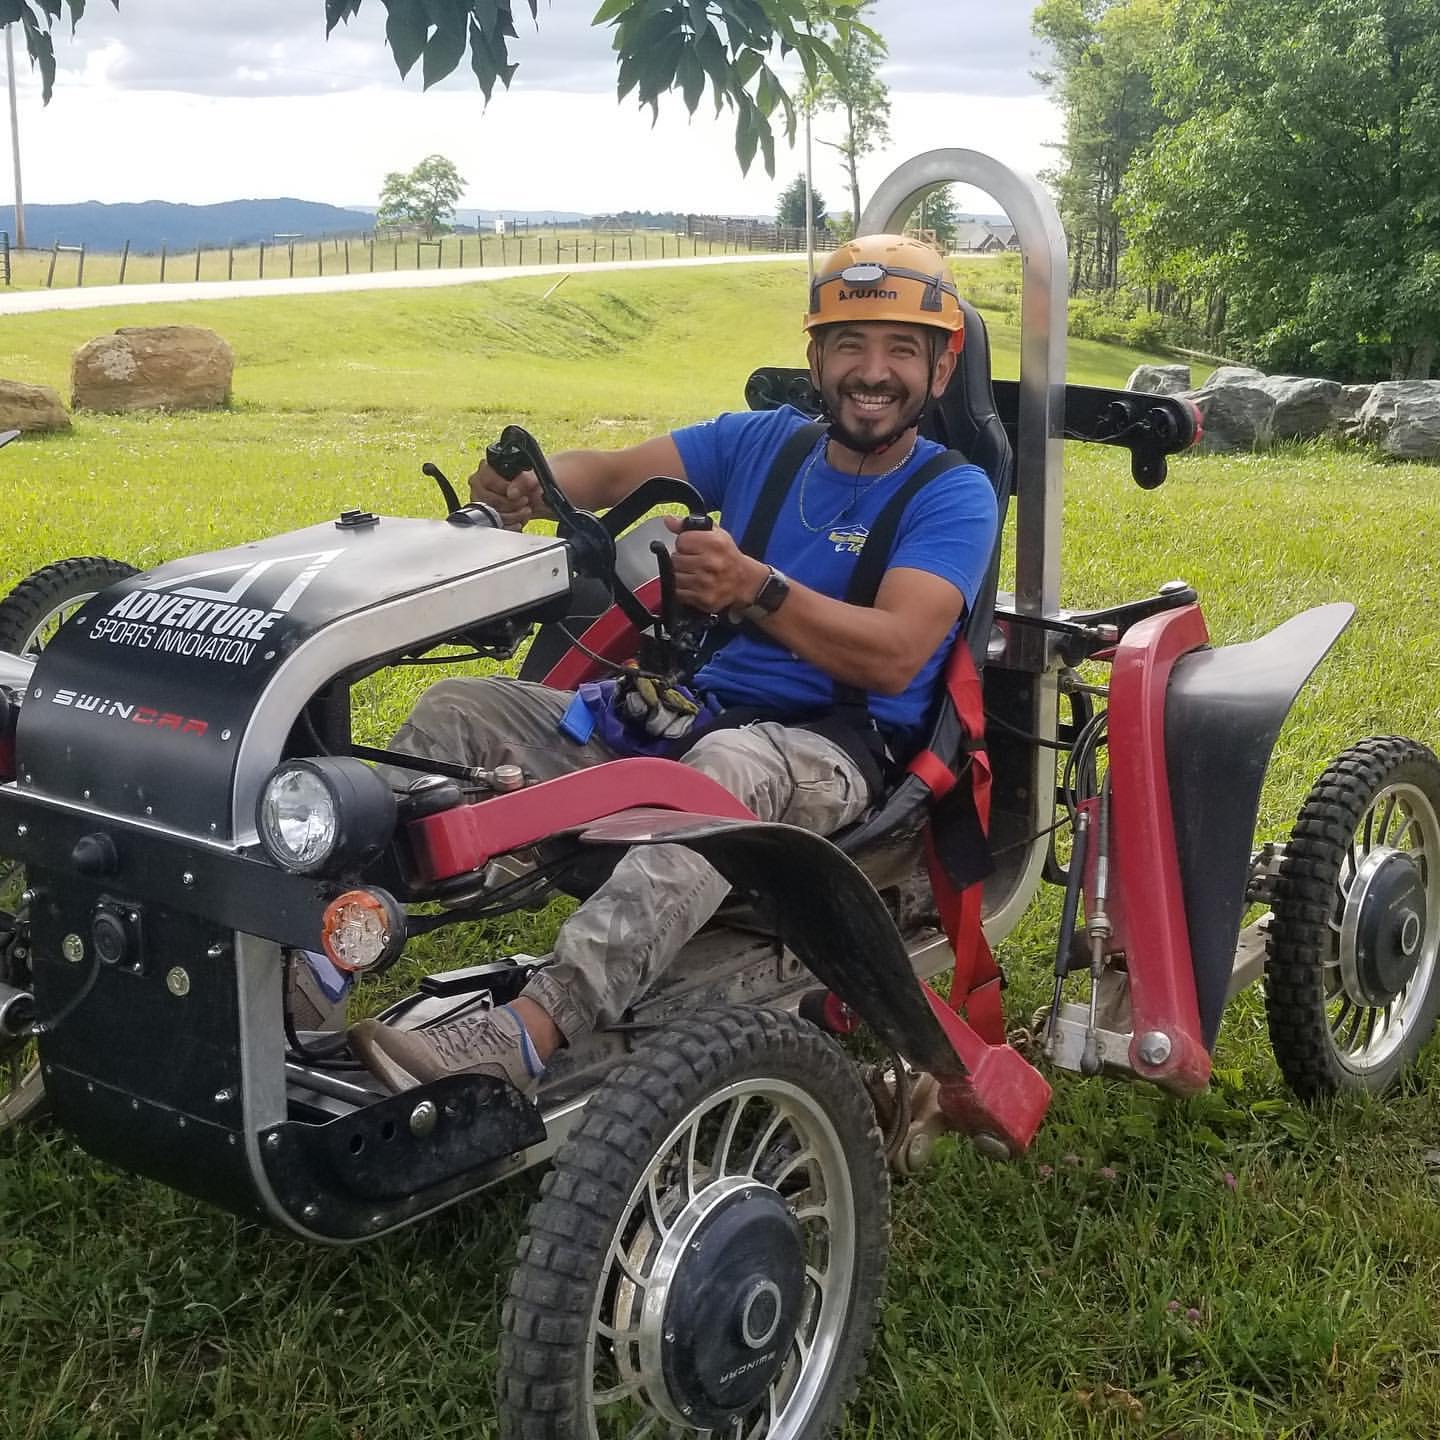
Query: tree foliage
pixel 1102 52
pixel 425 196
pixel 938 212
pixel 853 89
pixel 790 208
pixel 724 46
pixel 1299 180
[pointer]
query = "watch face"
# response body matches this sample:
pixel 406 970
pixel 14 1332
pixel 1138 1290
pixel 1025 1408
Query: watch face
pixel 772 592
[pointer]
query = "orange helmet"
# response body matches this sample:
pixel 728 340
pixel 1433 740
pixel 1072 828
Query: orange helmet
pixel 887 277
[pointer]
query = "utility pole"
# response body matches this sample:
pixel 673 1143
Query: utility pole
pixel 15 138
pixel 809 200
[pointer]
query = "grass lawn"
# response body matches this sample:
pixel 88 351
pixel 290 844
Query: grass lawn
pixel 1231 1266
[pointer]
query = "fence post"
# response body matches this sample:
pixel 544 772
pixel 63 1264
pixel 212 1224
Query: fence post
pixel 347 254
pixel 290 246
pixel 230 262
pixel 372 254
pixel 460 263
pixel 80 271
pixel 197 260
pixel 164 255
pixel 320 255
pixel 262 259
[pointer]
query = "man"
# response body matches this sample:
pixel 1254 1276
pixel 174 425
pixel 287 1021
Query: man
pixel 884 323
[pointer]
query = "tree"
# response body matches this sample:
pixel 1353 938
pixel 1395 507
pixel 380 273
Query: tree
pixel 937 211
pixel 1296 187
pixel 424 196
pixel 852 87
pixel 790 208
pixel 662 45
pixel 1103 52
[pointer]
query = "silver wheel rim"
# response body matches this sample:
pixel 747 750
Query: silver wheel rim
pixel 1400 819
pixel 761 1132
pixel 45 627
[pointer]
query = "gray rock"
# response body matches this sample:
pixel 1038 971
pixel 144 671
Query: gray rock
pixel 1345 418
pixel 1159 379
pixel 1402 417
pixel 1235 416
pixel 31 407
pixel 162 367
pixel 1232 375
pixel 1304 408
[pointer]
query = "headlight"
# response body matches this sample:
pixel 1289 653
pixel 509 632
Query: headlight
pixel 324 816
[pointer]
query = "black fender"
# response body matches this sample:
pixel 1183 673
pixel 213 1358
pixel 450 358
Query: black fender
pixel 1223 711
pixel 829 915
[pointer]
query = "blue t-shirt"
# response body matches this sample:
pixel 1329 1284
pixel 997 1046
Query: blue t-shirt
pixel 948 529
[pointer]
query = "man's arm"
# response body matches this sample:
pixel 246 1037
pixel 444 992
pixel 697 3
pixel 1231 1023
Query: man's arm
pixel 593 479
pixel 879 648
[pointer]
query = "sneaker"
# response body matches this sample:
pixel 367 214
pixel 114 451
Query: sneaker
pixel 489 1042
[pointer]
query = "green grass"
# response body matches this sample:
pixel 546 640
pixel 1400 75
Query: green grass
pixel 1031 1300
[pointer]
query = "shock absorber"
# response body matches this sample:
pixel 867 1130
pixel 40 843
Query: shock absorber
pixel 1099 930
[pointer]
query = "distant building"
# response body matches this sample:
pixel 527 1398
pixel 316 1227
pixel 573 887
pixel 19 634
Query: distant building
pixel 984 237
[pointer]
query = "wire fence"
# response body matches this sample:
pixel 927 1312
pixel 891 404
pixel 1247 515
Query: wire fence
pixel 290 256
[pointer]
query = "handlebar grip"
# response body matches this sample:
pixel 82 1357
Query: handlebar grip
pixel 507 461
pixel 698 522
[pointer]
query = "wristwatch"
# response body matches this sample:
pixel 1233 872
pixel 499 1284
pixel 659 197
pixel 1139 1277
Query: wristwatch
pixel 768 599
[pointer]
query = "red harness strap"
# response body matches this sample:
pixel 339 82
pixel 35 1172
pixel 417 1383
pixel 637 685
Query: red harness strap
pixel 975 988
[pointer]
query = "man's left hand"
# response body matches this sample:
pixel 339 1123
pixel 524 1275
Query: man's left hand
pixel 712 574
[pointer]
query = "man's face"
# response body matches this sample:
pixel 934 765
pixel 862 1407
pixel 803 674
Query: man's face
pixel 874 377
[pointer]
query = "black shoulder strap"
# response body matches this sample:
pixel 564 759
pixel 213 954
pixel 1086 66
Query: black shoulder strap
pixel 874 557
pixel 875 552
pixel 761 524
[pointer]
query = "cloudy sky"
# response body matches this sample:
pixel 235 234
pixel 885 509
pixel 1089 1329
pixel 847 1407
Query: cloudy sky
pixel 208 100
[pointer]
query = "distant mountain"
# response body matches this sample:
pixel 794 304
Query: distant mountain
pixel 153 223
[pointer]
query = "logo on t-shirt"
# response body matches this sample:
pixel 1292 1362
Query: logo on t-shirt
pixel 849 542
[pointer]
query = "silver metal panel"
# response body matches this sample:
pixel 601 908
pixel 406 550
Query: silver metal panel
pixel 513 584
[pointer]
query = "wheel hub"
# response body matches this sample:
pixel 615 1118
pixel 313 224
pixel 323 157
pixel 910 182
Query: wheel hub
pixel 1383 928
pixel 730 1306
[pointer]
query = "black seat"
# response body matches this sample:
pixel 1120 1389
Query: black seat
pixel 964 419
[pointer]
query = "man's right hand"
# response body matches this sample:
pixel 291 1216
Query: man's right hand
pixel 517 501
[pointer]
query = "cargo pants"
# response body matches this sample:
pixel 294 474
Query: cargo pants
pixel 610 951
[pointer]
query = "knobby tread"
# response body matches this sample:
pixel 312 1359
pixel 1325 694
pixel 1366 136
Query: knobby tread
pixel 1299 935
pixel 546 1316
pixel 44 591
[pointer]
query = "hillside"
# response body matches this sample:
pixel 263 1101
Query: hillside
pixel 153 223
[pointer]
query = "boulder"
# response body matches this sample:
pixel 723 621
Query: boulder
pixel 1402 417
pixel 1159 379
pixel 1236 416
pixel 31 407
pixel 1304 408
pixel 162 367
pixel 1345 417
pixel 1232 375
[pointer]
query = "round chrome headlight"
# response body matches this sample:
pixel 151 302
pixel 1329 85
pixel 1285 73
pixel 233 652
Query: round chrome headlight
pixel 298 820
pixel 324 816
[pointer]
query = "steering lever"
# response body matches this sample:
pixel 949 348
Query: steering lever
pixel 679 631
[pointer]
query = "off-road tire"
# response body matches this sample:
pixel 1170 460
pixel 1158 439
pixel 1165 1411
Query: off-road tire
pixel 1300 935
pixel 26 615
pixel 561 1258
pixel 41 597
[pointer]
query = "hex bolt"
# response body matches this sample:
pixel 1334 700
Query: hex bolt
pixel 311 1211
pixel 669 1337
pixel 224 734
pixel 177 981
pixel 29 897
pixel 272 1140
pixel 84 794
pixel 225 1096
pixel 1155 1047
pixel 217 951
pixel 22 831
pixel 187 878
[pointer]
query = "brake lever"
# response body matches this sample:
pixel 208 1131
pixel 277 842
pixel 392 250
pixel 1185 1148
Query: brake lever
pixel 680 631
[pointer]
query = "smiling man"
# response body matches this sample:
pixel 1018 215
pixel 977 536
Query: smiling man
pixel 818 697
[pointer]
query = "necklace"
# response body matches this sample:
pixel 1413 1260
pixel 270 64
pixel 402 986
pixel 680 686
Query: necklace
pixel 870 482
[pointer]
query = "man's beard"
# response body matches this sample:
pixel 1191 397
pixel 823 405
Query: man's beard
pixel 863 444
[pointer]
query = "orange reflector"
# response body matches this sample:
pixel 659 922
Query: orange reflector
pixel 361 928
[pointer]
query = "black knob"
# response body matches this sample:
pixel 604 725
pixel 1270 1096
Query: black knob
pixel 95 855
